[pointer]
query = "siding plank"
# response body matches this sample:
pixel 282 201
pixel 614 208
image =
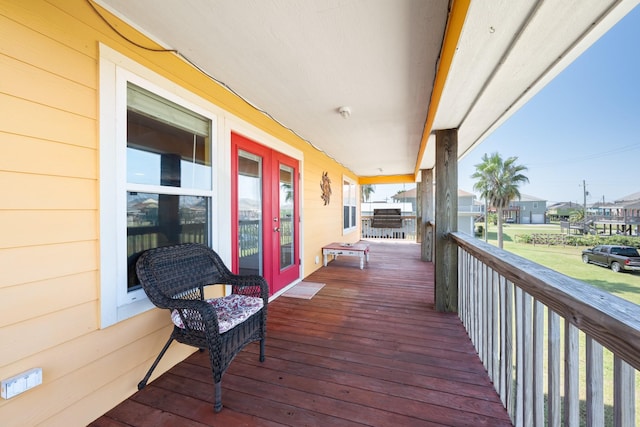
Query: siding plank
pixel 16 302
pixel 44 227
pixel 45 88
pixel 26 338
pixel 42 192
pixel 33 47
pixel 23 117
pixel 32 264
pixel 37 156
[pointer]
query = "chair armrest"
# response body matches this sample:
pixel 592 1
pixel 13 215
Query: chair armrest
pixel 250 285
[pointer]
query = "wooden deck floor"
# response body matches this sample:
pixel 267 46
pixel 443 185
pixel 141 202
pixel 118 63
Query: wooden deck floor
pixel 368 350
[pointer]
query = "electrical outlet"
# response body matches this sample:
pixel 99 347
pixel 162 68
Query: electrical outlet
pixel 317 259
pixel 20 383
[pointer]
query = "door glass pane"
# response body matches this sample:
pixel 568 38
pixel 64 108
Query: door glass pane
pixel 286 216
pixel 250 213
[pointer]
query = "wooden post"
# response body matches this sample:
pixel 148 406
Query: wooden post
pixel 419 212
pixel 446 221
pixel 425 188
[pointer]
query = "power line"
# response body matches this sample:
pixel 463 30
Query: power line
pixel 591 156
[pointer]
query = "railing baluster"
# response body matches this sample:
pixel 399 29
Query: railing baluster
pixel 623 393
pixel 462 282
pixel 474 308
pixel 508 321
pixel 520 350
pixel 482 315
pixel 527 359
pixel 495 283
pixel 470 294
pixel 502 387
pixel 538 363
pixel 491 313
pixel 553 370
pixel 571 375
pixel 594 380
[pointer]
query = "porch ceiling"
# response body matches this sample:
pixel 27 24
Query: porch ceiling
pixel 300 61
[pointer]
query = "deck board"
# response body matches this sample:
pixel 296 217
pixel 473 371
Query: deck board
pixel 368 350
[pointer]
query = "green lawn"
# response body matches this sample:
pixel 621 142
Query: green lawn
pixel 567 260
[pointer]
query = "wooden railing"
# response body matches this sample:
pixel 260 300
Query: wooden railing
pixel 407 232
pixel 144 237
pixel 622 219
pixel 528 324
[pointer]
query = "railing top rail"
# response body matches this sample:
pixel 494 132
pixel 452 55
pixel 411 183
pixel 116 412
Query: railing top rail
pixel 610 320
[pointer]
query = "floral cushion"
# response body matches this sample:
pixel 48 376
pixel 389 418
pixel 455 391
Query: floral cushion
pixel 231 311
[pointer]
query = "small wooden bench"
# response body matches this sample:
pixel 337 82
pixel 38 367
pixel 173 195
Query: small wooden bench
pixel 360 249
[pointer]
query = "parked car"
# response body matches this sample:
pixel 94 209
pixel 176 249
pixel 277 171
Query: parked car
pixel 618 258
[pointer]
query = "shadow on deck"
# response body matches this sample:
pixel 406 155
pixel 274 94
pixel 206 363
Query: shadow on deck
pixel 369 349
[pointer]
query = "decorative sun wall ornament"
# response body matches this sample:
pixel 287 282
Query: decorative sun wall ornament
pixel 325 185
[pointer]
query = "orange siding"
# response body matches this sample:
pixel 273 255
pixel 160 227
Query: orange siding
pixel 49 212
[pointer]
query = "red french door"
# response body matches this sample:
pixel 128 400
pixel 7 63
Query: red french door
pixel 264 213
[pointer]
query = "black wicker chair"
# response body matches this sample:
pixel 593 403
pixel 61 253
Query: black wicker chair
pixel 174 277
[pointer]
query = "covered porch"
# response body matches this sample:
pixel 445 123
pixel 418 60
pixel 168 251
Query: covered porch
pixel 368 349
pixel 396 92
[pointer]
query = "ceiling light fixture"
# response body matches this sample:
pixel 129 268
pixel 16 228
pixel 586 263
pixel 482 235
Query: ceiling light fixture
pixel 345 112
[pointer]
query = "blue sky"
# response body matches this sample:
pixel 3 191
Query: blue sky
pixel 584 125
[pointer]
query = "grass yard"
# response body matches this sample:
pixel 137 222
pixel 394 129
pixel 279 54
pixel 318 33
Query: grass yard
pixel 567 260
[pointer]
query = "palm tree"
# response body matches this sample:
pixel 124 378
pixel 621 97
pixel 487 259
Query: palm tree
pixel 366 191
pixel 288 191
pixel 576 216
pixel 498 183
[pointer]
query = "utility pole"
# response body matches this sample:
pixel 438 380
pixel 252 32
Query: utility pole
pixel 584 192
pixel 584 204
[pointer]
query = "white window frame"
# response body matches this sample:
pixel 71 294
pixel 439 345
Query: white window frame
pixel 350 199
pixel 116 303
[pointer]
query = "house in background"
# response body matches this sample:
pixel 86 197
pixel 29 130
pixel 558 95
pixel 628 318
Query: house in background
pixel 526 210
pixel 620 217
pixel 561 211
pixel 469 210
pixel 407 196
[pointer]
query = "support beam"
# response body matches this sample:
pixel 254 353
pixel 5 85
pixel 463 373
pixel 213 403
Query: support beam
pixel 446 221
pixel 425 206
